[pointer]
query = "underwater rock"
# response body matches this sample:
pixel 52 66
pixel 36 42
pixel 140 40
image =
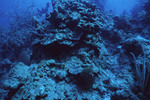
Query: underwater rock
pixel 132 47
pixel 122 23
pixel 147 9
pixel 146 32
pixel 24 57
pixel 74 65
pixel 123 95
pixel 7 63
pixel 18 75
pixel 70 23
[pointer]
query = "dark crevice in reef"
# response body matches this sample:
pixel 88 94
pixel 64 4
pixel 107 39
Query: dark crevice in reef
pixel 40 97
pixel 85 79
pixel 133 47
pixel 58 50
pixel 12 92
pixel 50 51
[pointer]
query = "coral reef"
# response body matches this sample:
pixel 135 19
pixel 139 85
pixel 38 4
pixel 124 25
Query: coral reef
pixel 80 53
pixel 70 21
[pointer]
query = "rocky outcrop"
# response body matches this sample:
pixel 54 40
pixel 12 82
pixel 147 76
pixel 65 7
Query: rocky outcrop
pixel 69 22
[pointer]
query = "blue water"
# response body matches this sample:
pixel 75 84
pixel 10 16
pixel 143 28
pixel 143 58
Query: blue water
pixel 9 7
pixel 120 6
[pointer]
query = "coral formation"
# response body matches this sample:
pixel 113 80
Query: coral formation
pixel 70 21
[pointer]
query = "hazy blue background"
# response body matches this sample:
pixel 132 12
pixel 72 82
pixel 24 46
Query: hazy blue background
pixel 8 8
pixel 120 6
